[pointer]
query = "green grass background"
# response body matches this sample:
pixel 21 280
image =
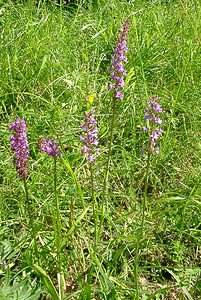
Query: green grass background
pixel 51 58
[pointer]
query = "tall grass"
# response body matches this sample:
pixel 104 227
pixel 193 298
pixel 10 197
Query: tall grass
pixel 52 58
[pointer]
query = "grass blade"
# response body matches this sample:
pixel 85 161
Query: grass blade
pixel 68 167
pixel 47 281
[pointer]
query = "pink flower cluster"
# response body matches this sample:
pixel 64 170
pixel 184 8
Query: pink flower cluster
pixel 49 147
pixel 152 116
pixel 117 69
pixel 90 138
pixel 20 147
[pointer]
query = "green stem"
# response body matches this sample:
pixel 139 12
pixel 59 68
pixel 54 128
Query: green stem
pixel 72 207
pixel 105 183
pixel 141 233
pixel 57 219
pixel 136 269
pixel 60 7
pixel 94 208
pixel 144 202
pixel 31 219
pixel 57 232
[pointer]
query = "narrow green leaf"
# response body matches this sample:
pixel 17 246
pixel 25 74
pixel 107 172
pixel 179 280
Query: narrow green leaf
pixel 67 165
pixel 47 281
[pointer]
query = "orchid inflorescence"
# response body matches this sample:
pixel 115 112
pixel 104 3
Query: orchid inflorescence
pixel 118 71
pixel 152 116
pixel 20 147
pixel 90 137
pixel 49 147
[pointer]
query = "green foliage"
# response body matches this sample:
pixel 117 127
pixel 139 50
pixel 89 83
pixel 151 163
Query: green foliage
pixel 47 281
pixel 52 58
pixel 15 288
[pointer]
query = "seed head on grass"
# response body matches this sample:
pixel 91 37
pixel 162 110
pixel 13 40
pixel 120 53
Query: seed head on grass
pixel 90 137
pixel 20 147
pixel 49 147
pixel 152 116
pixel 118 71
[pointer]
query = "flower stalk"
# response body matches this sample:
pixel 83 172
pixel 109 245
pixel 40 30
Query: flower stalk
pixel 20 148
pixel 31 219
pixel 118 72
pixel 51 149
pixel 94 203
pixel 153 122
pixel 90 139
pixel 152 117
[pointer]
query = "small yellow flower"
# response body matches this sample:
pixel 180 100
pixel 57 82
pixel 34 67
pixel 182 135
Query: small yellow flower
pixel 90 99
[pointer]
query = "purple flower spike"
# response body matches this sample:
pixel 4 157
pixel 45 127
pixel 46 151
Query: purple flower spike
pixel 20 147
pixel 117 69
pixel 90 138
pixel 49 146
pixel 152 113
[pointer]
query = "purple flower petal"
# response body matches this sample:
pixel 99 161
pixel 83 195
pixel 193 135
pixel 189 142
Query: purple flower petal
pixel 119 95
pixel 144 128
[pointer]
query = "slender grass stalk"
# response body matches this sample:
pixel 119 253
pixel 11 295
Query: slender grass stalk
pixel 57 222
pixel 105 183
pixel 73 175
pixel 72 217
pixel 61 11
pixel 118 73
pixel 95 215
pixel 141 232
pixel 136 268
pixel 57 232
pixel 51 149
pixel 152 116
pixel 31 219
pixel 105 186
pixel 72 212
pixel 144 202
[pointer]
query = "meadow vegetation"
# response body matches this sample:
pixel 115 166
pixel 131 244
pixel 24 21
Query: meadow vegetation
pixel 133 233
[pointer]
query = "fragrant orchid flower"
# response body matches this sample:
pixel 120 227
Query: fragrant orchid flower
pixel 20 147
pixel 118 71
pixel 90 137
pixel 49 147
pixel 152 113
